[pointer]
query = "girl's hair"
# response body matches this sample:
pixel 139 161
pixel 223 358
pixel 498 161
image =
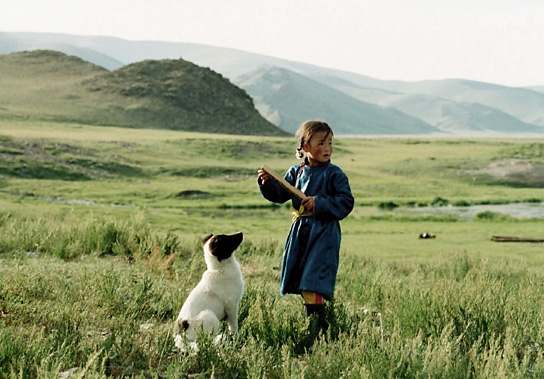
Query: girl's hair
pixel 306 131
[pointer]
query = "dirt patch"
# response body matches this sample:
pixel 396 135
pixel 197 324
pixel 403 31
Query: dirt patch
pixel 505 168
pixel 193 193
pixel 514 171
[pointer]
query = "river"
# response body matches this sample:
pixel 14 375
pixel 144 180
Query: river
pixel 518 210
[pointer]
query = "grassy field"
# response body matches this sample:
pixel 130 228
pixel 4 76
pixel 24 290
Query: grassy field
pixel 99 231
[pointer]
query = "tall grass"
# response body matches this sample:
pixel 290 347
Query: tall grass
pixel 68 238
pixel 111 314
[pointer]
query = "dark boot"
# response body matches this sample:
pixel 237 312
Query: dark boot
pixel 318 325
pixel 319 311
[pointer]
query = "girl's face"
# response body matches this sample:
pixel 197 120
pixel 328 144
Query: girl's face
pixel 319 148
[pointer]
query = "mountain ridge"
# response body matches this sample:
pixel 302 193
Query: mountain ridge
pixel 493 107
pixel 349 115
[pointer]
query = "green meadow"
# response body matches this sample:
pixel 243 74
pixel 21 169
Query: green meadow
pixel 99 247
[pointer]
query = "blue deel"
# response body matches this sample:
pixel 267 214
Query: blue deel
pixel 311 253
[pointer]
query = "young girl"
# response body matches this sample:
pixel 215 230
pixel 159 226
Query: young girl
pixel 311 253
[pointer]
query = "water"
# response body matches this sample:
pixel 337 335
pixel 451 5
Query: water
pixel 518 210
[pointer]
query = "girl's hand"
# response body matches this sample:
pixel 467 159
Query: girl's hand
pixel 263 178
pixel 308 203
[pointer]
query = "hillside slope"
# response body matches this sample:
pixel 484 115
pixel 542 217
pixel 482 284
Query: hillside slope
pixel 169 94
pixel 524 104
pixel 447 115
pixel 288 99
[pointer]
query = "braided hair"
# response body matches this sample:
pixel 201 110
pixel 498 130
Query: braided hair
pixel 306 131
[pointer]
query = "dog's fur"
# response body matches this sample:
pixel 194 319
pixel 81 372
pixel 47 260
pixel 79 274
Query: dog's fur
pixel 218 294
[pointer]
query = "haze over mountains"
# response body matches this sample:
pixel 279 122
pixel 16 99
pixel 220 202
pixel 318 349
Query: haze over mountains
pixel 288 93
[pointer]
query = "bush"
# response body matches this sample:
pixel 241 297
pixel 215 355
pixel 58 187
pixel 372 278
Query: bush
pixel 493 217
pixel 461 203
pixel 439 202
pixel 387 205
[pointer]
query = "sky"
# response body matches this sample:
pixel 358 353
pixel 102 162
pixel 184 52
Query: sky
pixel 494 41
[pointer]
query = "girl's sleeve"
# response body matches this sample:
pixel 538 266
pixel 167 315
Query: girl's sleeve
pixel 339 202
pixel 275 193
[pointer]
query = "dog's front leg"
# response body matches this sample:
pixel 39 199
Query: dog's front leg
pixel 232 319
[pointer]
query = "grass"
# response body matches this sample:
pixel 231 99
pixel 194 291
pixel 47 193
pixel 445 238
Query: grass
pixel 451 316
pixel 99 247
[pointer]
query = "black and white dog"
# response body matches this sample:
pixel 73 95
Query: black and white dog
pixel 218 294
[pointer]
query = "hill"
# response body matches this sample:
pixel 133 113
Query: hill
pixel 168 94
pixel 288 99
pixel 13 43
pixel 446 115
pixel 537 88
pixel 453 106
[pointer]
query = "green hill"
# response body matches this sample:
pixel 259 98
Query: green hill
pixel 165 94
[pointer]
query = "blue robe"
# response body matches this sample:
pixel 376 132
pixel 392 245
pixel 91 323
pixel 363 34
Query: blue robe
pixel 311 253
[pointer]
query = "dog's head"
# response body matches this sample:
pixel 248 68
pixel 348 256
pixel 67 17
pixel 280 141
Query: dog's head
pixel 222 246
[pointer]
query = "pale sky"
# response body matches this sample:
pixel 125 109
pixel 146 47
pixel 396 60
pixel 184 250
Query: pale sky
pixel 495 41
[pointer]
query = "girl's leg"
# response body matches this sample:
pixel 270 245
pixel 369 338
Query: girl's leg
pixel 315 309
pixel 314 305
pixel 312 297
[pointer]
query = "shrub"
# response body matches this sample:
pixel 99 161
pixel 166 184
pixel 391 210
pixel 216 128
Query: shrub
pixel 461 203
pixel 439 202
pixel 387 205
pixel 493 217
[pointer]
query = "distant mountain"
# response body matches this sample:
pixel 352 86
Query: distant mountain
pixel 447 115
pixel 288 99
pixel 516 109
pixel 536 88
pixel 229 62
pixel 168 94
pixel 10 43
pixel 521 103
pixel 451 106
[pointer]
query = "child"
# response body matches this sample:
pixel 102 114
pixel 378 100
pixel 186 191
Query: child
pixel 311 254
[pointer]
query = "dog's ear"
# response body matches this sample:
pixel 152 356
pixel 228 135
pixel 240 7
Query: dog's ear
pixel 205 239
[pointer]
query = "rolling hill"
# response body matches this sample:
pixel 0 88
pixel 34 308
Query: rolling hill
pixel 166 94
pixel 468 105
pixel 446 115
pixel 288 99
pixel 451 106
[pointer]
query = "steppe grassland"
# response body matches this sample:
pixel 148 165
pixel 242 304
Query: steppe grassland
pixel 407 172
pixel 95 286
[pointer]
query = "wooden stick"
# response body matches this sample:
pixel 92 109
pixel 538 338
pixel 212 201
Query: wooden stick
pixel 282 182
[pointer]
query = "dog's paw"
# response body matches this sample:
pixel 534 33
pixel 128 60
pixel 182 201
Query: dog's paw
pixel 178 341
pixel 219 339
pixel 184 346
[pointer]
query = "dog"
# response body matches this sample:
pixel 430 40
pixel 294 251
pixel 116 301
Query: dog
pixel 218 294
